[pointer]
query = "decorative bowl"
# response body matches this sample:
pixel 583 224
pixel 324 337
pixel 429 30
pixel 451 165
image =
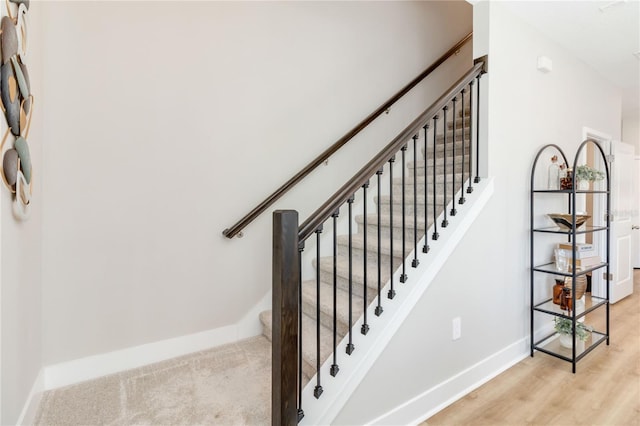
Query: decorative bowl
pixel 564 220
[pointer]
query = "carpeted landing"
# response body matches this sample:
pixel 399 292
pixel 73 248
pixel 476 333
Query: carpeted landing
pixel 227 385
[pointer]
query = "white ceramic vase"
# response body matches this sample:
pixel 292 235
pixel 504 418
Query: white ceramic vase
pixel 566 341
pixel 583 185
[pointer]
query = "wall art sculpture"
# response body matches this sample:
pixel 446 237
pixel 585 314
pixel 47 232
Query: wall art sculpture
pixel 16 101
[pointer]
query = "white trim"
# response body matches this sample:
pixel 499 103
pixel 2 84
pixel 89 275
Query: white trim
pixel 338 390
pixel 95 366
pixel 588 132
pixel 440 396
pixel 30 409
pixel 598 284
pixel 425 405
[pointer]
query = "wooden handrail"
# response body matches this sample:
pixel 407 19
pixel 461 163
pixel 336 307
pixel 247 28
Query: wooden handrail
pixel 260 208
pixel 348 189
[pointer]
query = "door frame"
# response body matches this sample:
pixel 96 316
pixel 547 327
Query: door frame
pixel 598 284
pixel 635 234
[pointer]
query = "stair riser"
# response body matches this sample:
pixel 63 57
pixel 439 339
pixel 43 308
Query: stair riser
pixel 409 209
pixel 326 275
pixel 440 177
pixel 397 201
pixel 372 246
pixel 397 233
pixel 440 147
pixel 372 254
pixel 439 167
pixel 326 318
pixel 372 251
pixel 459 124
pixel 440 187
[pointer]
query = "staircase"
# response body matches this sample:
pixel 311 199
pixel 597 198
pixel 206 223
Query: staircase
pixel 450 185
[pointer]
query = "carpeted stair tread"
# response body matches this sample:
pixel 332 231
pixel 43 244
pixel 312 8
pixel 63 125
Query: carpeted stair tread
pixel 385 221
pixel 439 162
pixel 357 240
pixel 408 199
pixel 440 141
pixel 440 145
pixel 326 305
pixel 326 268
pixel 458 124
pixel 357 253
pixel 440 177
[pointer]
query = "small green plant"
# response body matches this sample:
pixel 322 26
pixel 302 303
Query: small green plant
pixel 585 172
pixel 563 326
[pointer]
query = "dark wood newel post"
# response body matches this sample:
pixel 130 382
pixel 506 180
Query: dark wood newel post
pixel 284 362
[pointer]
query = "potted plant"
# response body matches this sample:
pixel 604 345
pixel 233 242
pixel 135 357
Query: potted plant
pixel 564 328
pixel 585 174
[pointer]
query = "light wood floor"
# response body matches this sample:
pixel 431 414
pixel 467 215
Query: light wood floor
pixel 543 391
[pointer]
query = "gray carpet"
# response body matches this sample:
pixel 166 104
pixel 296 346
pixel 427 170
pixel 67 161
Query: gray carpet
pixel 227 385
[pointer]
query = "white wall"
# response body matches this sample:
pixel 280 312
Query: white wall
pixel 166 121
pixel 486 282
pixel 631 129
pixel 21 260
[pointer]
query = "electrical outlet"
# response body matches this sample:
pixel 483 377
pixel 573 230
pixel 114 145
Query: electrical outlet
pixel 457 328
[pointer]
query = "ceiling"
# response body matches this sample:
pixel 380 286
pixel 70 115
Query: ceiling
pixel 606 40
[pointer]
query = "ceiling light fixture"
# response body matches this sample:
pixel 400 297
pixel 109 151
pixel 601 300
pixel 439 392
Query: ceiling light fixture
pixel 605 7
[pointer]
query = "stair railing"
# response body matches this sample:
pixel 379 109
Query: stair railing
pixel 236 228
pixel 449 155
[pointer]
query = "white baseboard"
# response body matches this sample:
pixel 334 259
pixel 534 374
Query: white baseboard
pixel 444 394
pixel 28 414
pixel 79 370
pixel 439 397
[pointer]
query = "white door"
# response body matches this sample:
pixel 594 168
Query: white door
pixel 635 225
pixel 623 203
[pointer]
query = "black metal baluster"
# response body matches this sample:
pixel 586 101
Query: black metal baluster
pixel 403 276
pixel 379 309
pixel 334 367
pixel 415 262
pixel 435 192
pixel 425 248
pixel 453 211
pixel 477 179
pixel 445 222
pixel 462 200
pixel 300 251
pixel 365 327
pixel 317 391
pixel 392 292
pixel 350 346
pixel 470 188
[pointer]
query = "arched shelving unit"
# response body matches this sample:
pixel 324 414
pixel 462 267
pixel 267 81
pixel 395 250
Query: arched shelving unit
pixel 543 307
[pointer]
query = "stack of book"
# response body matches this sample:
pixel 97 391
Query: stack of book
pixel 586 255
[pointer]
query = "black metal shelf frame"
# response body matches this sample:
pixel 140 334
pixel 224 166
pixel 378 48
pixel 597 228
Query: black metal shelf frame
pixel 550 344
pixel 568 191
